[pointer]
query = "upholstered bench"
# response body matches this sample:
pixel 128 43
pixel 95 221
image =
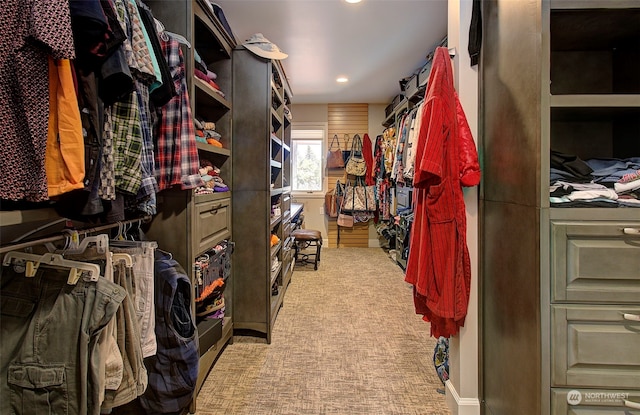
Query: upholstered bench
pixel 305 238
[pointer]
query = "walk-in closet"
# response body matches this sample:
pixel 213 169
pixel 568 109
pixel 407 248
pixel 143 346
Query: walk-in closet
pixel 350 207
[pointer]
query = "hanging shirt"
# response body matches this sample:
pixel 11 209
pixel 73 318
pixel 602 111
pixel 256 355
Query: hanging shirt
pixel 64 158
pixel 439 267
pixel 176 155
pixel 31 31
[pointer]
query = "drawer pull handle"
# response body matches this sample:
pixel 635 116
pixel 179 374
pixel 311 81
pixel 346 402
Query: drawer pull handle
pixel 631 231
pixel 630 404
pixel 631 317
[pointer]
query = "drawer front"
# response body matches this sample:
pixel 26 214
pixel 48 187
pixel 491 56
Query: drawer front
pixel 212 223
pixel 594 401
pixel 595 346
pixel 595 262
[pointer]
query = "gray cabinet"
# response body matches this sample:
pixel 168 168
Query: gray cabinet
pixel 595 262
pixel 595 401
pixel 595 346
pixel 560 285
pixel 262 191
pixel 190 224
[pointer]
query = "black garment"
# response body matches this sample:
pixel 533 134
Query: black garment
pixel 572 164
pixel 173 370
pixel 90 32
pixel 115 33
pixel 475 32
pixel 116 81
pixel 163 94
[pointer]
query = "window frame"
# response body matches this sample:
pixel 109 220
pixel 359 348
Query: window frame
pixel 323 149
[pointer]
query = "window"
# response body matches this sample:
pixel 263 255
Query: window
pixel 307 149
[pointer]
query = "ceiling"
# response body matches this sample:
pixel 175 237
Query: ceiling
pixel 374 43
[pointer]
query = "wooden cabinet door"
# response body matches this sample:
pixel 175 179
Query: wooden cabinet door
pixel 595 346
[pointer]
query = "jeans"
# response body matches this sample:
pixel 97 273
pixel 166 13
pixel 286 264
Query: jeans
pixel 143 258
pixel 134 376
pixel 49 362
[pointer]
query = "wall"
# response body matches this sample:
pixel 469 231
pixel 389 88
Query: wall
pixel 462 388
pixel 340 119
pixel 314 217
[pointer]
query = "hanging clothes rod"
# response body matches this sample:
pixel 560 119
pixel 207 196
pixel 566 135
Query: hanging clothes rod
pixel 27 244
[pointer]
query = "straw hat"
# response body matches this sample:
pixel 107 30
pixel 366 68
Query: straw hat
pixel 262 47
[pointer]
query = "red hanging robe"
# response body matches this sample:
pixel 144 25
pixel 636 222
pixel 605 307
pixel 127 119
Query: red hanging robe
pixel 446 159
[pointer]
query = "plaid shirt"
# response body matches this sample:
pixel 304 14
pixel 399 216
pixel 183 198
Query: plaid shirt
pixel 127 143
pixel 107 190
pixel 146 193
pixel 177 159
pixel 135 47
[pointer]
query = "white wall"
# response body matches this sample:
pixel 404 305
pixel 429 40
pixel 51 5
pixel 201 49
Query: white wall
pixel 314 206
pixel 462 388
pixel 314 217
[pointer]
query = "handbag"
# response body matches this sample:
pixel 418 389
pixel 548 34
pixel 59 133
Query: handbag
pixel 334 157
pixel 333 200
pixel 346 153
pixel 344 220
pixel 359 197
pixel 356 165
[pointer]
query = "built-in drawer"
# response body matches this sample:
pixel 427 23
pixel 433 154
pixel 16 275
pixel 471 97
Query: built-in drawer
pixel 594 401
pixel 211 224
pixel 595 346
pixel 595 262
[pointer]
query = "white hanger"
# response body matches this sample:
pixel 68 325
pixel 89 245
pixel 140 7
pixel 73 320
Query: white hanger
pixel 101 241
pixel 90 272
pixel 161 29
pixel 128 261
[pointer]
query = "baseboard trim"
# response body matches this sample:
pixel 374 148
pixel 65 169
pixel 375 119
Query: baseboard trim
pixel 458 405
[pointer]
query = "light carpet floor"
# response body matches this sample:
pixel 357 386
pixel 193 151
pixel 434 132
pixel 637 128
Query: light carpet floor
pixel 346 341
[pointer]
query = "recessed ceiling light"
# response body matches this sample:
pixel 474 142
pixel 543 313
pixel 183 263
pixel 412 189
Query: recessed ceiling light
pixel 353 1
pixel 342 79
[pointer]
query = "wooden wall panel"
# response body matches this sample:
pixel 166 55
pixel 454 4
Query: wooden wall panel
pixel 348 119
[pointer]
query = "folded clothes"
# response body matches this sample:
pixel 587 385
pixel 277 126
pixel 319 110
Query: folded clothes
pixel 627 187
pixel 214 142
pixel 630 177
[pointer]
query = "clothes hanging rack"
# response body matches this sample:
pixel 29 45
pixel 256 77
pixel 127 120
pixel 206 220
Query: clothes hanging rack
pixel 40 241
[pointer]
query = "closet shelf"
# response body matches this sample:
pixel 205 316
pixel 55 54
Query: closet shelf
pixel 275 248
pixel 275 220
pixel 276 303
pixel 203 12
pixel 213 149
pixel 592 100
pixel 210 92
pixel 589 4
pixel 16 217
pixel 275 273
pixel 276 116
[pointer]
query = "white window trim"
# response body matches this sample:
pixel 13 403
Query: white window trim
pixel 325 180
